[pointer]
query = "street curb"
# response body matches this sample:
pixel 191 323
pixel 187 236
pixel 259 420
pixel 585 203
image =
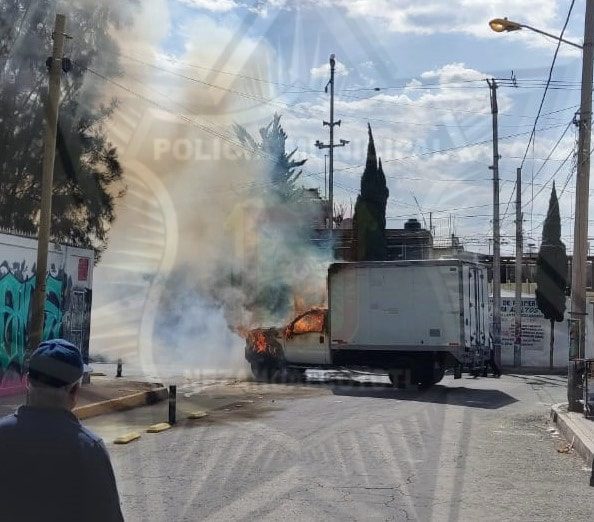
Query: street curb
pixel 127 402
pixel 583 444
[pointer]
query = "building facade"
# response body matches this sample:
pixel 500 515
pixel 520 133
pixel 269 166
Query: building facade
pixel 69 281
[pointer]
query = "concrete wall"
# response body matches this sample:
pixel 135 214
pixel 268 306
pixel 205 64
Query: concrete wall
pixel 68 302
pixel 536 334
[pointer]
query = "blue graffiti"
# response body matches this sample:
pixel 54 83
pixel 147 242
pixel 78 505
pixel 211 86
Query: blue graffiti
pixel 16 294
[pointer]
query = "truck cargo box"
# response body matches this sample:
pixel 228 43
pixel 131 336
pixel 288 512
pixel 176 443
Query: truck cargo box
pixel 409 306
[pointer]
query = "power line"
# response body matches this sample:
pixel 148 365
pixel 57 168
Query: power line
pixel 561 85
pixel 406 84
pixel 18 32
pixel 191 121
pixel 221 135
pixel 441 108
pixel 571 153
pixel 226 138
pixel 449 149
pixel 552 151
pixel 283 106
pixel 533 133
pixel 544 94
pixel 241 93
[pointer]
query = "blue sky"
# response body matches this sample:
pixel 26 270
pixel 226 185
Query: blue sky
pixel 429 57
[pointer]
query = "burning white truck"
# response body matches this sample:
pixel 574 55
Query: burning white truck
pixel 410 319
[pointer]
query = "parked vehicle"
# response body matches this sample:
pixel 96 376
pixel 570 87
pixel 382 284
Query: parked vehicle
pixel 410 319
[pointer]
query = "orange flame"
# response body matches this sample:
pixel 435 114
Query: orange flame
pixel 263 341
pixel 313 321
pixel 258 340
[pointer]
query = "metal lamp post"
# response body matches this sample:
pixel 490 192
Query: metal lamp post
pixel 580 235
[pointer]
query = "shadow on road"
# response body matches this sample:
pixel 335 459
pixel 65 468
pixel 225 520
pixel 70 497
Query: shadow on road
pixel 541 380
pixel 461 396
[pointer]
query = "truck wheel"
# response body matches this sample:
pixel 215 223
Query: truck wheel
pixel 430 376
pixel 295 375
pixel 398 380
pixel 438 375
pixel 263 372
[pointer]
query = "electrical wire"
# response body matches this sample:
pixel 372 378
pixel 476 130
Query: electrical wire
pixel 544 94
pixel 192 122
pixel 226 138
pixel 219 134
pixel 571 153
pixel 532 82
pixel 448 149
pixel 552 151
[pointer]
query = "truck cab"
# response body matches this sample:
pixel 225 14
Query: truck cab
pixel 306 339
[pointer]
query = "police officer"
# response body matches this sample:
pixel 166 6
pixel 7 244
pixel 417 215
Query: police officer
pixel 52 468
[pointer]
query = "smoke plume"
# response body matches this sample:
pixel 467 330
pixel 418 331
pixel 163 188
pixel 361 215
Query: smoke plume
pixel 204 231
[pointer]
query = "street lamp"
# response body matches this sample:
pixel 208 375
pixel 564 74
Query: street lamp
pixel 503 25
pixel 499 25
pixel 580 232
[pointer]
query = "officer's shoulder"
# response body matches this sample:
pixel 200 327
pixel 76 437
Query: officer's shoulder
pixel 8 421
pixel 90 438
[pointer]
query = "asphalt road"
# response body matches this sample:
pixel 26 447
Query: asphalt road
pixel 464 450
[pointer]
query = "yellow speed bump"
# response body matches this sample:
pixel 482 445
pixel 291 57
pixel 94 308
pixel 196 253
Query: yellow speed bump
pixel 158 428
pixel 197 415
pixel 126 439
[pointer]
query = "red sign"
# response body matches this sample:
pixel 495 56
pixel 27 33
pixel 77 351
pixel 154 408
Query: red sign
pixel 83 268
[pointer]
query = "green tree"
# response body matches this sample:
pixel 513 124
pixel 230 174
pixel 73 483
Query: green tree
pixel 284 228
pixel 87 175
pixel 551 270
pixel 270 152
pixel 369 221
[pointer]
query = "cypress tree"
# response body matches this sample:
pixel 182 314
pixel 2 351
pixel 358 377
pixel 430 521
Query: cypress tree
pixel 369 221
pixel 551 270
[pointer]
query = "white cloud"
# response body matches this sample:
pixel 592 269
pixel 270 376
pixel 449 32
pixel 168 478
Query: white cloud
pixel 430 17
pixel 451 73
pixel 323 71
pixel 437 16
pixel 212 5
pixel 432 113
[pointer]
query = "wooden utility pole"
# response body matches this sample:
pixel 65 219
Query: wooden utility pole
pixel 331 146
pixel 49 156
pixel 519 254
pixel 496 330
pixel 331 151
pixel 580 233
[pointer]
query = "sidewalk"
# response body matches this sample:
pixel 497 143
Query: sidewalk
pixel 103 395
pixel 575 427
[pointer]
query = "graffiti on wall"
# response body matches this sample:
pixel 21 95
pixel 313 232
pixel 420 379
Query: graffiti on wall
pixel 65 308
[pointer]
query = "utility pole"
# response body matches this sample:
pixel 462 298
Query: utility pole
pixel 326 176
pixel 496 228
pixel 580 233
pixel 331 146
pixel 49 156
pixel 519 254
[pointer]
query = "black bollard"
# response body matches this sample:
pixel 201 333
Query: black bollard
pixel 172 403
pixel 119 370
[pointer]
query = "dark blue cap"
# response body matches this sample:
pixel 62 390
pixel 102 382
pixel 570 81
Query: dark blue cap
pixel 56 363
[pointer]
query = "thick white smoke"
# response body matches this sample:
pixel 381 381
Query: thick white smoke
pixel 241 256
